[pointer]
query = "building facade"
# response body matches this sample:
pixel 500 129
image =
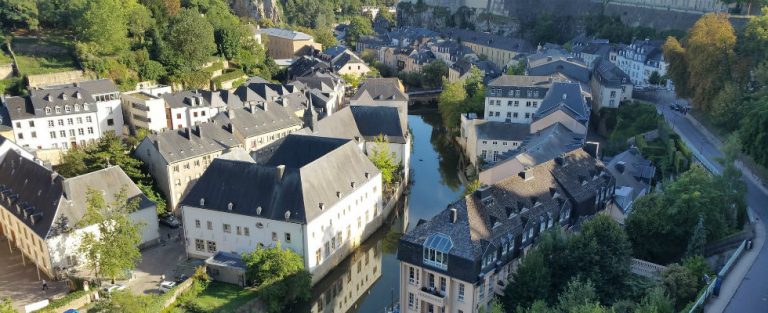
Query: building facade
pixel 610 85
pixel 516 98
pixel 145 108
pixel 465 255
pixel 287 44
pixel 640 60
pixel 62 117
pixel 320 197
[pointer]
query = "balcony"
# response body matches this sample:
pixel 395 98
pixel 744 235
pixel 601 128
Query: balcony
pixel 432 295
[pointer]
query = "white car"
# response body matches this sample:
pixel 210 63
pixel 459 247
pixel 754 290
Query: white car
pixel 113 288
pixel 167 286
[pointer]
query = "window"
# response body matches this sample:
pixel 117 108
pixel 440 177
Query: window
pixel 72 132
pixel 110 122
pixel 34 134
pixel 461 292
pixel 443 284
pixel 410 300
pixel 527 115
pixel 274 236
pixel 58 109
pixel 197 223
pixel 88 119
pixel 239 230
pixel 482 289
pixel 227 228
pixel 53 135
pixel 67 108
pixel 509 103
pixel 61 122
pixel 21 136
pixel 431 280
pixel 79 120
pixel 47 111
pixel 411 275
pixel 199 245
pixel 436 249
pixel 80 131
pixel 318 256
pixel 483 154
pixel 246 231
pixel 328 249
pixel 287 237
pixel 50 123
pixel 514 115
pixel 211 246
pixel 209 224
pixel 62 133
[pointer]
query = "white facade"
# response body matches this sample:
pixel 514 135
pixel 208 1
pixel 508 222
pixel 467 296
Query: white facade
pixel 145 109
pixel 512 109
pixel 323 242
pixel 109 112
pixel 638 67
pixel 58 132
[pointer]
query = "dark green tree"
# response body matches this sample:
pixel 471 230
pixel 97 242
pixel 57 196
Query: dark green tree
pixel 698 239
pixel 681 284
pixel 19 13
pixel 104 27
pixel 280 276
pixel 433 73
pixel 189 42
pixel 358 26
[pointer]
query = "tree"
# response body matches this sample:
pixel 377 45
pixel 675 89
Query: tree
pixel 728 107
pixel 352 80
pixel 709 54
pixel 470 187
pixel 531 282
pixel 113 249
pixel 655 78
pixel 111 150
pixel 61 14
pixel 698 239
pixel 73 162
pixel 384 160
pixel 322 35
pixel 516 69
pixel 280 276
pixel 19 13
pixel 103 27
pixel 753 131
pixel 601 253
pixel 450 103
pixel 674 53
pixel 189 42
pixel 681 284
pixel 578 292
pixel 433 73
pixel 358 26
pixel 6 306
pixel 127 302
pixel 656 301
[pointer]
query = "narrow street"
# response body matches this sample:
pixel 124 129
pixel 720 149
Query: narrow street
pixel 752 292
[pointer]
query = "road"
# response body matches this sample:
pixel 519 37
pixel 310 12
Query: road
pixel 752 293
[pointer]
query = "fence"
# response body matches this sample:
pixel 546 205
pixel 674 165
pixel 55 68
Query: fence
pixel 646 269
pixel 699 304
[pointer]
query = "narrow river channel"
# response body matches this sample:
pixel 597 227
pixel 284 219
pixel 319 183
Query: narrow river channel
pixel 367 280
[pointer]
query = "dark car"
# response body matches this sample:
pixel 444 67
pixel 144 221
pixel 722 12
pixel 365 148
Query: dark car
pixel 170 220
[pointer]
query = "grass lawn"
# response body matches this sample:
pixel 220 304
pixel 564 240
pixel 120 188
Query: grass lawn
pixel 32 65
pixel 223 297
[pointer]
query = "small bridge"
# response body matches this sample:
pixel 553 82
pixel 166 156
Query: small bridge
pixel 423 95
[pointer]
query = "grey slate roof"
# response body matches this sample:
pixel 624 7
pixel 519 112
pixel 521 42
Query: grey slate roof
pixel 538 85
pixel 384 89
pixel 367 122
pixel 25 184
pixel 632 170
pixel 255 121
pixel 96 86
pixel 500 214
pixel 182 144
pixel 345 58
pixel 491 130
pixel 550 65
pixel 285 33
pixel 490 40
pixel 566 97
pixel 316 168
pixel 226 259
pixel 609 75
pixel 75 94
pixel 305 65
pixel 191 98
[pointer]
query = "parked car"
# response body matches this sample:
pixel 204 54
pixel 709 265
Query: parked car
pixel 181 279
pixel 166 286
pixel 170 220
pixel 113 288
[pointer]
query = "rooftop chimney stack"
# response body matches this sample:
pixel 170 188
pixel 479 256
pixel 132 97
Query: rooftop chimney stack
pixel 280 172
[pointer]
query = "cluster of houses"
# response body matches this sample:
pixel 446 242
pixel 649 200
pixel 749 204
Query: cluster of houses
pixel 260 165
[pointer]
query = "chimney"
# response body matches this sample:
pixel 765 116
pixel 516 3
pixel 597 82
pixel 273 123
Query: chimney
pixel 620 166
pixel 526 174
pixel 265 106
pixel 36 217
pixel 453 216
pixel 559 160
pixel 65 186
pixel 53 177
pixel 280 172
pixel 199 130
pixel 353 185
pixel 322 206
pixel 367 175
pixel 549 59
pixel 188 131
pixel 231 113
pixel 252 108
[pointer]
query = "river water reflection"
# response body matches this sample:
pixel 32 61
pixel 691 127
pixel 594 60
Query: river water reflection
pixel 367 280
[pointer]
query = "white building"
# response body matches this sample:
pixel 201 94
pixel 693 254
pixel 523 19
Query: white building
pixel 488 141
pixel 610 85
pixel 61 117
pixel 191 107
pixel 320 197
pixel 39 214
pixel 382 92
pixel 145 108
pixel 516 98
pixel 640 60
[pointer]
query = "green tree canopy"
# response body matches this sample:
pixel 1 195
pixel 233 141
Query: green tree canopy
pixel 280 276
pixel 358 26
pixel 103 27
pixel 384 160
pixel 189 42
pixel 114 248
pixel 19 13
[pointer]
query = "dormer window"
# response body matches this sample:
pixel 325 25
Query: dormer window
pixel 58 109
pixel 47 111
pixel 77 107
pixel 67 108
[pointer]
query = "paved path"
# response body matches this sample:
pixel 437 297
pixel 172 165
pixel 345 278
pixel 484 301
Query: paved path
pixel 748 281
pixel 20 282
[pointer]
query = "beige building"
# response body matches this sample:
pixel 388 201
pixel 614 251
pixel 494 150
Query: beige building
pixel 39 214
pixel 286 43
pixel 177 158
pixel 498 49
pixel 257 126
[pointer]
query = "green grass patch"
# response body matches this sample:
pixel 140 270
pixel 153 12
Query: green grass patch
pixel 41 56
pixel 5 58
pixel 222 297
pixel 33 65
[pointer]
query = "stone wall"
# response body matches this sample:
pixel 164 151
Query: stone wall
pixel 37 81
pixel 257 9
pixel 6 70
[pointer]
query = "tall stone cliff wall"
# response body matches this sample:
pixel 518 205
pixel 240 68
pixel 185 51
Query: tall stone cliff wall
pixel 257 9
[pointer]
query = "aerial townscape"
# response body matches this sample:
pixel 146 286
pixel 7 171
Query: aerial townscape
pixel 384 156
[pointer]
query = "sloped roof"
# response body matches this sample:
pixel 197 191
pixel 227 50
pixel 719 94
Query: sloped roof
pixel 182 144
pixel 384 89
pixel 255 121
pixel 316 168
pixel 491 130
pixel 286 33
pixel 566 97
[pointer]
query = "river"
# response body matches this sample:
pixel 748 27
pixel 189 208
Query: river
pixel 367 281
